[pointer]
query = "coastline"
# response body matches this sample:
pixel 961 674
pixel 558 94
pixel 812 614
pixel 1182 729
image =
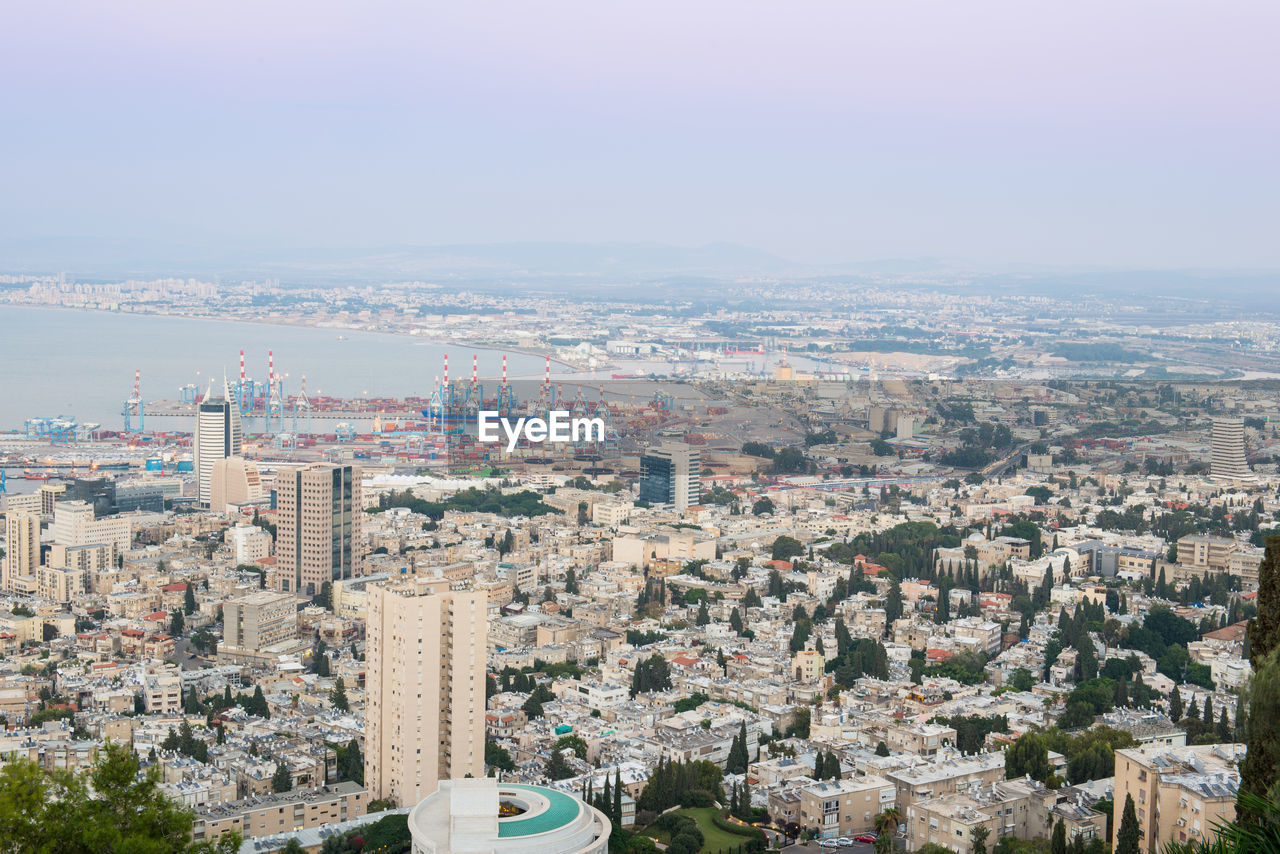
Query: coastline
pixel 487 348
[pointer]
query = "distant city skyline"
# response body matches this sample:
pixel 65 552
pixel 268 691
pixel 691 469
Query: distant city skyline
pixel 1137 135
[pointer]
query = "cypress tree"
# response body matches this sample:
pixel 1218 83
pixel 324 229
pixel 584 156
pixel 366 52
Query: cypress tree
pixel 1175 705
pixel 281 781
pixel 1128 835
pixel 1264 628
pixel 1261 767
pixel 338 696
pixel 1059 838
pixel 737 761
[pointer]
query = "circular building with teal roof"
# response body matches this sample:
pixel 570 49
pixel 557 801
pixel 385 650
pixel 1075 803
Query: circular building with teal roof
pixel 483 816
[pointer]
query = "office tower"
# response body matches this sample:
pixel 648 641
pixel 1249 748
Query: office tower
pixel 217 437
pixel 234 481
pixel 1227 460
pixel 671 474
pixel 22 547
pixel 145 496
pixel 99 492
pixel 425 687
pixel 318 516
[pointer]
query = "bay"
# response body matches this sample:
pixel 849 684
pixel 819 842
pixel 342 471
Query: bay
pixel 65 362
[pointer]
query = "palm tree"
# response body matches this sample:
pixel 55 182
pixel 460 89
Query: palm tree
pixel 886 824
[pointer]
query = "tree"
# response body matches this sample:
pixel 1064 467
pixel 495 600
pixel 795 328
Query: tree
pixel 762 506
pixel 979 836
pixel 1028 755
pixel 176 623
pixel 557 766
pixel 496 756
pixel 1260 771
pixel 704 617
pixel 570 581
pixel 1129 834
pixel 1175 705
pixel 55 811
pixel 256 704
pixel 1264 627
pixel 886 824
pixel 737 761
pixel 189 599
pixel 532 707
pixel 651 674
pixel 293 846
pixel 281 780
pixel 785 548
pixel 338 696
pixel 1059 844
pixel 617 795
pixel 1022 680
pixel 893 603
pixel 735 621
pixel 882 749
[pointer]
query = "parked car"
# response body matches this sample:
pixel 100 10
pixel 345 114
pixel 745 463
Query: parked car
pixel 866 837
pixel 844 841
pixel 829 843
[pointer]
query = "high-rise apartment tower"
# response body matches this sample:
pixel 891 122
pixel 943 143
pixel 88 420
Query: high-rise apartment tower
pixel 22 552
pixel 1227 459
pixel 425 687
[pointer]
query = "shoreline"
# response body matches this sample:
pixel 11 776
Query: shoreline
pixel 524 351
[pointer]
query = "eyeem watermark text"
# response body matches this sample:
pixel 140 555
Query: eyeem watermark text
pixel 559 427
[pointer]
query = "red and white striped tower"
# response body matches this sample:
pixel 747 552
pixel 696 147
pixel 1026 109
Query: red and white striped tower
pixel 504 370
pixel 133 406
pixel 242 368
pixel 475 362
pixel 273 406
pixel 546 382
pixel 446 394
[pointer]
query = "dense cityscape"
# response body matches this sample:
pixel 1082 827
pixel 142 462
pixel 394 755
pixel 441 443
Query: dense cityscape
pixel 730 427
pixel 980 592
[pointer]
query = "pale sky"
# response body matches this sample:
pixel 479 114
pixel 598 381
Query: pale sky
pixel 1103 133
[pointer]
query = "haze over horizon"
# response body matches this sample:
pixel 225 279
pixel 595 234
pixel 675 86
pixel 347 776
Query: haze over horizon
pixel 1104 136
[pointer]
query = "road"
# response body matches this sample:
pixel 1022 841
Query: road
pixel 815 848
pixel 1000 466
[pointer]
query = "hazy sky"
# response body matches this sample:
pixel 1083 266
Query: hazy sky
pixel 1105 132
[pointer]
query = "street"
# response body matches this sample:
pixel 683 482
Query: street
pixel 815 848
